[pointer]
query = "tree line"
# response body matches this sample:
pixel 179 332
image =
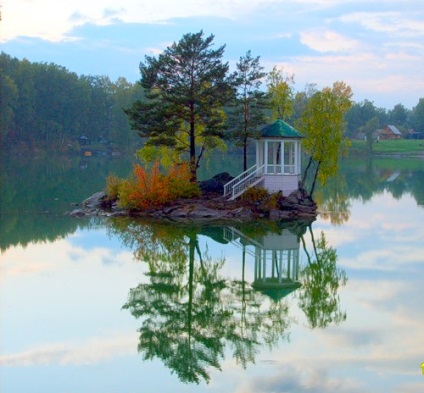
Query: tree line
pixel 46 105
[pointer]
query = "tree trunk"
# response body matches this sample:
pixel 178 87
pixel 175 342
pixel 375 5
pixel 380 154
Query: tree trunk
pixel 315 179
pixel 193 164
pixel 245 156
pixel 305 173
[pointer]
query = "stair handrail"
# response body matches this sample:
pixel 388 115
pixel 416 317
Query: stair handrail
pixel 242 178
pixel 229 186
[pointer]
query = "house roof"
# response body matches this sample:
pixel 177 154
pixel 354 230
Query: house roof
pixel 394 130
pixel 280 129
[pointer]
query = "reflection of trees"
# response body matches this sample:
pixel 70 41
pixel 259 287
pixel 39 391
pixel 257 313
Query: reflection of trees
pixel 321 279
pixel 333 201
pixel 251 323
pixel 35 194
pixel 189 313
pixel 417 182
pixel 183 320
pixel 361 179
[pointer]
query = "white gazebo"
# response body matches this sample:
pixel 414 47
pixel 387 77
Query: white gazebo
pixel 278 162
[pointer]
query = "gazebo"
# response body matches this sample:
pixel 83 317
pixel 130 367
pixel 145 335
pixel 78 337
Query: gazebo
pixel 278 162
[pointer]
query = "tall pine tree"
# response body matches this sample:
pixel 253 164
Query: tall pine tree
pixel 186 88
pixel 247 113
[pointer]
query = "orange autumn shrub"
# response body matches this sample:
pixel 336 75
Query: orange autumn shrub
pixel 150 189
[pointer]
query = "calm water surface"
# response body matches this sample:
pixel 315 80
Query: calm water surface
pixel 91 305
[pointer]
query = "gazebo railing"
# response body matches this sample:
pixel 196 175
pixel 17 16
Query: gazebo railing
pixel 243 181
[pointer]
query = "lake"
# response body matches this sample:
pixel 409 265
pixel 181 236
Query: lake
pixel 124 305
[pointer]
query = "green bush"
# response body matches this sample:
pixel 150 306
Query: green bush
pixel 255 195
pixel 113 184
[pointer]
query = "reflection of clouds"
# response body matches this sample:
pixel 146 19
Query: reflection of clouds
pixel 354 337
pixel 83 353
pixel 47 257
pixel 386 259
pixel 338 237
pixel 373 292
pixel 307 378
pixel 380 241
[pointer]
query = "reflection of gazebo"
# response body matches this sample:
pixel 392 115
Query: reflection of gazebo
pixel 276 260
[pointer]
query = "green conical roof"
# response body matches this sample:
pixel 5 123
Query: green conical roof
pixel 280 129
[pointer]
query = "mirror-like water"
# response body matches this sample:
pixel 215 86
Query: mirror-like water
pixel 124 305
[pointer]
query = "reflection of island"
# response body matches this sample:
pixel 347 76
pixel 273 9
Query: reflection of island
pixel 191 315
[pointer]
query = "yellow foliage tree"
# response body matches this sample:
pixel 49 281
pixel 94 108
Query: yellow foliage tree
pixel 322 123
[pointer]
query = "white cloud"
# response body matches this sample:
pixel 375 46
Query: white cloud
pixel 370 75
pixel 402 23
pixel 327 41
pixel 53 21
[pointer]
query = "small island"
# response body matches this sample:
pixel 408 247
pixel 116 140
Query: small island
pixel 211 205
pixel 272 188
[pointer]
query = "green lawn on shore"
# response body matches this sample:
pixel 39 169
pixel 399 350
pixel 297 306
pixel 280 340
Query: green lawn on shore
pixel 395 146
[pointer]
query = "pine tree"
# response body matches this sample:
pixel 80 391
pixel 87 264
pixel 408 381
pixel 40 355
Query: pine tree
pixel 247 112
pixel 186 88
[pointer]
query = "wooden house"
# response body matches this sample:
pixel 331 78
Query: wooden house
pixel 389 132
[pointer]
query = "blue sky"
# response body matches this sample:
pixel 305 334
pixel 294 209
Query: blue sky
pixel 375 46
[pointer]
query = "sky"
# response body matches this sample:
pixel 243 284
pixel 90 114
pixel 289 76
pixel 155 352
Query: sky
pixel 375 46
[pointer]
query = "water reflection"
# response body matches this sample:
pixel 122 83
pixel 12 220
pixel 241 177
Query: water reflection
pixel 321 278
pixel 36 192
pixel 192 314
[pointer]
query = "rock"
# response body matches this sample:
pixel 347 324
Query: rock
pixel 117 213
pixel 223 177
pixel 241 213
pixel 211 185
pixel 216 184
pixel 178 213
pixel 95 201
pixel 77 213
pixel 205 212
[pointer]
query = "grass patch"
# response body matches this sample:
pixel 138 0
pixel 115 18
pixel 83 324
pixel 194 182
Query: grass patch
pixel 396 146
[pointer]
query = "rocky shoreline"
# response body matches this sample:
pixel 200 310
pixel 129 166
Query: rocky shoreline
pixel 210 206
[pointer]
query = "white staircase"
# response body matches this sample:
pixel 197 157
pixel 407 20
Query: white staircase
pixel 242 182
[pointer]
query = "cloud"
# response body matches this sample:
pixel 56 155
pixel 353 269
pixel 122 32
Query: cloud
pixel 403 24
pixel 311 379
pixel 327 41
pixel 34 19
pixel 373 45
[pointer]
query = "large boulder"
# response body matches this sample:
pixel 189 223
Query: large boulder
pixel 95 201
pixel 216 184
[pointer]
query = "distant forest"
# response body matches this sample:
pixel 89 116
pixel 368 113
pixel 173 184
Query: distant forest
pixel 45 105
